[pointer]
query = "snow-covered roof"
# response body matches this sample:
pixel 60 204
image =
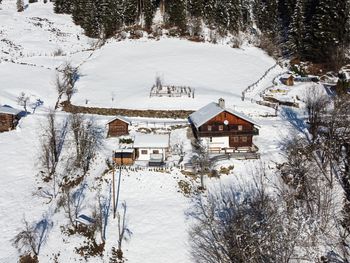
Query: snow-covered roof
pixel 85 220
pixel 151 141
pixel 122 118
pixel 208 112
pixel 126 150
pixel 9 110
pixel 286 76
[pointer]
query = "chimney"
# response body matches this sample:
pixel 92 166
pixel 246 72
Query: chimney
pixel 222 103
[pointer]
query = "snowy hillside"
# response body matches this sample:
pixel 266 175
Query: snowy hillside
pixel 126 71
pixel 120 74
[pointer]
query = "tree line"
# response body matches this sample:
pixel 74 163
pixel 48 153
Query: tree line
pixel 314 30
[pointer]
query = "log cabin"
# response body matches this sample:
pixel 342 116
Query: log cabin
pixel 118 126
pixel 223 129
pixel 9 118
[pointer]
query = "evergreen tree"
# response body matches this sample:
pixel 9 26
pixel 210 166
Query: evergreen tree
pixel 196 8
pixel 266 16
pixel 91 21
pixel 327 31
pixel 150 8
pixel 246 19
pixel 129 11
pixel 78 11
pixel 176 10
pixel 63 6
pixel 297 29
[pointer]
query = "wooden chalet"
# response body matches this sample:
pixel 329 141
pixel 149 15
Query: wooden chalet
pixel 223 129
pixel 9 118
pixel 118 126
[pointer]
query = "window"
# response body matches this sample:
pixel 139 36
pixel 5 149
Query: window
pixel 235 139
pixel 155 151
pixel 244 139
pixel 209 127
pixel 240 127
pixel 221 127
pixel 144 152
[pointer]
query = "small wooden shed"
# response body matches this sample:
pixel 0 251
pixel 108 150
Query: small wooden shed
pixel 124 156
pixel 287 80
pixel 118 126
pixel 9 118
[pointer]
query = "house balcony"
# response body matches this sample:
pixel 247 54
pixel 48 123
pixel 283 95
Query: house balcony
pixel 228 132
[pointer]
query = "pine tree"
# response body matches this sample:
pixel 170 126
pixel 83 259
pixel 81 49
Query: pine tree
pixel 90 21
pixel 150 8
pixel 327 31
pixel 297 29
pixel 176 10
pixel 63 6
pixel 267 19
pixel 246 19
pixel 196 8
pixel 129 11
pixel 78 11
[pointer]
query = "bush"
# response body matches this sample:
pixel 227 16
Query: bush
pixel 28 259
pixel 126 140
pixel 58 52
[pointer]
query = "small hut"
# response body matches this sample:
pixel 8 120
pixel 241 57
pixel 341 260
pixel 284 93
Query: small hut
pixel 118 126
pixel 124 156
pixel 287 80
pixel 9 118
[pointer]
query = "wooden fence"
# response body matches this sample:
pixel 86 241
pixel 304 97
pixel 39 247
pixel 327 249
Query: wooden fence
pixel 250 87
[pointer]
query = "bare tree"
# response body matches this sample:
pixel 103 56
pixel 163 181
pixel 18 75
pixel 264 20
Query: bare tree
pixel 159 82
pixel 316 104
pixel 124 232
pixel 72 203
pixel 103 212
pixel 70 77
pixel 239 224
pixel 60 88
pixel 33 236
pixel 52 141
pixel 23 100
pixel 201 163
pixel 20 6
pixel 87 139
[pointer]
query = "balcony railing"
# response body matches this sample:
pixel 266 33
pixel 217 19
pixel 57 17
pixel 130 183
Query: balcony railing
pixel 226 132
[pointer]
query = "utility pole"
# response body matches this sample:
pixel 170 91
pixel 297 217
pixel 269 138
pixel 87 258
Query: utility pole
pixel 113 183
pixel 120 177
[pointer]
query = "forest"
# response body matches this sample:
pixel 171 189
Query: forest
pixel 310 30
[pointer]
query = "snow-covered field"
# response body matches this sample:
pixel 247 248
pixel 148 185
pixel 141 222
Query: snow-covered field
pixel 124 71
pixel 121 74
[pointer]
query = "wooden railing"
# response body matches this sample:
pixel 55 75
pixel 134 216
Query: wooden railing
pixel 253 132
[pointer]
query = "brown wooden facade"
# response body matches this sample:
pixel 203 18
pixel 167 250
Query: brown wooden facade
pixel 7 122
pixel 239 131
pixel 124 158
pixel 118 127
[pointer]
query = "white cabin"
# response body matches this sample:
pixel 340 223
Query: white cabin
pixel 153 148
